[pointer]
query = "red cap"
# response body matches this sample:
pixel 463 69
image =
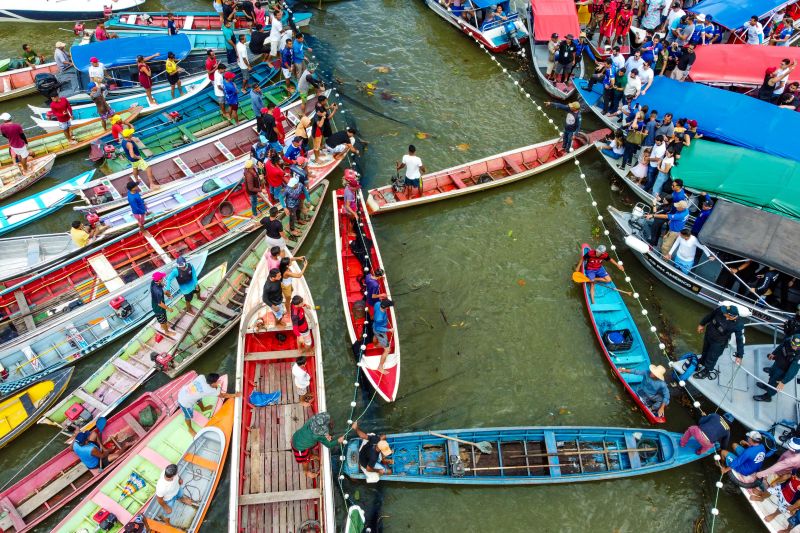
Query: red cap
pixel 692 123
pixel 229 75
pixel 158 276
pixel 94 60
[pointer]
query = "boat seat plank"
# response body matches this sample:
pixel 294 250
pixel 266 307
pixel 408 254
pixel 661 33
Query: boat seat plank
pixel 605 308
pixel 85 397
pixel 632 379
pixel 186 132
pixel 277 497
pixel 141 146
pixel 513 166
pixel 52 489
pixel 552 448
pixel 34 252
pixel 13 515
pixel 278 354
pixel 630 443
pixel 202 462
pixel 123 515
pixel 156 246
pixel 25 310
pixel 188 22
pixel 106 272
pixel 134 424
pixel 214 304
pixel 623 360
pixel 27 404
pixel 149 454
pixel 127 368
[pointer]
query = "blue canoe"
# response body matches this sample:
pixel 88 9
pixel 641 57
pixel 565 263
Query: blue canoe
pixel 733 14
pixel 720 114
pixel 78 333
pixel 619 338
pixel 198 42
pixel 122 52
pixel 528 455
pixel 17 214
pixel 188 22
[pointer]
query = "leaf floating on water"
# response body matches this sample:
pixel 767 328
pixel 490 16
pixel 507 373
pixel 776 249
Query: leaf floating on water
pixel 393 134
pixel 386 95
pixel 371 86
pixel 384 69
pixel 510 232
pixel 508 200
pixel 422 135
pixel 563 411
pixel 521 282
pixel 357 495
pixel 463 147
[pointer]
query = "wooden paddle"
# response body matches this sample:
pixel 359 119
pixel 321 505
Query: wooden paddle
pixel 580 277
pixel 483 446
pixel 585 452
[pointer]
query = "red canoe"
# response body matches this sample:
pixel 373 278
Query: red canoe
pixel 58 481
pixel 485 173
pixel 350 274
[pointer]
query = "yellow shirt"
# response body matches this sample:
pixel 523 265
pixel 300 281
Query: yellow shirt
pixel 79 237
pixel 171 66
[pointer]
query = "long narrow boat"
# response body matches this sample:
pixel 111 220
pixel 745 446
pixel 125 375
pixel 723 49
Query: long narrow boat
pixel 157 138
pixel 612 321
pixel 766 508
pixel 192 86
pixel 63 11
pixel 163 445
pixel 497 36
pixel 201 469
pixel 734 15
pixel 21 410
pixel 30 253
pixel 187 21
pixel 63 477
pixel 131 366
pixel 57 143
pixel 12 180
pixel 22 212
pixel 529 455
pixel 204 156
pixel 22 82
pixel 486 173
pixel 114 53
pixel 351 273
pixel 546 17
pixel 269 491
pixel 72 335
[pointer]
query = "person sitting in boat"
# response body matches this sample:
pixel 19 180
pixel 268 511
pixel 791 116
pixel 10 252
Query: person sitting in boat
pixel 315 431
pixel 373 454
pixel 615 147
pixel 745 457
pixel 709 431
pixel 489 21
pixel 718 326
pixel 594 267
pixel 652 390
pixel 100 33
pixel 186 275
pixel 792 325
pixel 763 285
pixel 81 234
pixel 784 493
pixel 30 56
pixel 169 491
pixel 192 394
pixel 788 461
pixel 89 449
pixel 786 357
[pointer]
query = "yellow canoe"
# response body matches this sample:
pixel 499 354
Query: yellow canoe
pixel 22 409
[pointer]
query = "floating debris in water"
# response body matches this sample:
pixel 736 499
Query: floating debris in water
pixel 422 135
pixel 463 147
pixel 508 200
pixel 384 69
pixel 521 282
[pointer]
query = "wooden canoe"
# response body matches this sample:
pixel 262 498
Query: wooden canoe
pixel 351 273
pixel 200 468
pixel 57 143
pixel 483 174
pixel 529 455
pixel 29 253
pixel 38 205
pixel 609 313
pixel 70 335
pixel 187 21
pixel 12 180
pixel 163 445
pixel 131 366
pixel 20 411
pixel 192 160
pixel 222 309
pixel 63 477
pixel 264 498
pixel 21 82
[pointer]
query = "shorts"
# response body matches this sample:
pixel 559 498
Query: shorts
pixel 22 152
pixel 245 74
pixel 599 273
pixel 65 125
pixel 161 316
pixel 189 297
pixel 302 457
pixel 173 78
pixel 188 412
pixel 280 312
pixel 139 219
pixel 217 7
pixel 171 502
pixel 561 68
pixel 412 182
pixel 732 455
pixel 778 498
pixel 287 73
pixel 140 164
pixel 233 107
pixel 305 338
pixel 383 338
pixel 273 47
pixel 221 99
pixel 340 149
pixel 275 242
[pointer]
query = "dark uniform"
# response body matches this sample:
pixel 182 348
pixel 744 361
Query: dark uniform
pixel 792 326
pixel 718 333
pixel 787 362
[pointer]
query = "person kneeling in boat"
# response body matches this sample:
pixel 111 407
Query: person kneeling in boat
pixel 594 267
pixel 745 457
pixel 314 431
pixel 786 359
pixel 783 492
pixel 89 449
pixel 652 390
pixel 193 393
pixel 373 454
pixel 572 122
pixel 169 491
pixel 710 430
pixel 186 275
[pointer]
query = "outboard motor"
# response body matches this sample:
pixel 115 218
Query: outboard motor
pixel 162 361
pixel 47 84
pixel 513 37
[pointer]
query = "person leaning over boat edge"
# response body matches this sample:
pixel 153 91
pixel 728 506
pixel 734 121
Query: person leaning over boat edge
pixel 652 390
pixel 572 122
pixel 186 275
pixel 304 441
pixel 718 326
pixel 745 457
pixel 710 430
pixel 373 454
pixel 786 363
pixel 193 393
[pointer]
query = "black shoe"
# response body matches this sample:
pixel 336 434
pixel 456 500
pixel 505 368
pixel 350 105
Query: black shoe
pixel 703 374
pixel 763 398
pixel 762 386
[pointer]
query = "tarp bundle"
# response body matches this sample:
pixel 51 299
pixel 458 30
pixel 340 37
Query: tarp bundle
pixel 554 16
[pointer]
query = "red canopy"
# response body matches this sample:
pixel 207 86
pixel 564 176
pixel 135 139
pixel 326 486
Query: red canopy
pixel 740 63
pixel 554 16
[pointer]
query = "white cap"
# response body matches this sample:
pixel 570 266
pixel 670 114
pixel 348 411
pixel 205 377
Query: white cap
pixel 5 116
pixel 755 435
pixel 293 182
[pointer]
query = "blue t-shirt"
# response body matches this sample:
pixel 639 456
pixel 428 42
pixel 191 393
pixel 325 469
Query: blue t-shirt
pixel 750 460
pixel 287 57
pixel 373 288
pixel 677 220
pixel 298 51
pixel 699 30
pixel 651 55
pixel 231 92
pixel 227 34
pixel 380 319
pixel 137 203
pixel 187 279
pixel 84 453
pixel 257 102
pixel 260 152
pixel 784 33
pixel 171 29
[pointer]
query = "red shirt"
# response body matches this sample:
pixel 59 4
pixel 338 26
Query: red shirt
pixel 13 132
pixel 211 67
pixel 279 118
pixel 116 130
pixel 299 324
pixel 594 260
pixel 274 174
pixel 789 489
pixel 62 110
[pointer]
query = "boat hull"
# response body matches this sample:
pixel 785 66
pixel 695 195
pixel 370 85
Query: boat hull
pixel 23 409
pixel 60 11
pixel 495 39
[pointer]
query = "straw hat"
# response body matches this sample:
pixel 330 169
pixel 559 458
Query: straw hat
pixel 574 106
pixel 60 44
pixel 128 132
pixel 248 163
pixel 384 448
pixel 658 371
pixel 115 119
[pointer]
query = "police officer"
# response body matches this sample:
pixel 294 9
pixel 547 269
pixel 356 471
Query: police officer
pixel 787 362
pixel 718 326
pixel 792 326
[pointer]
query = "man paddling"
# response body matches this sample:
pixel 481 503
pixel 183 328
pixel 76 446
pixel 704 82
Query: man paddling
pixel 594 267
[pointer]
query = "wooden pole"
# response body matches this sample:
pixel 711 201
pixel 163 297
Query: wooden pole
pixel 586 452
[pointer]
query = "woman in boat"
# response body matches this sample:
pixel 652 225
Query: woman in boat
pixel 305 440
pixel 680 139
pixel 287 275
pixel 616 147
pixel 146 76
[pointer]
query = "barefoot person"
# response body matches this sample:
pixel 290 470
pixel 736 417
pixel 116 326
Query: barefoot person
pixel 169 490
pixel 373 454
pixel 315 431
pixel 381 329
pixel 186 276
pixel 302 331
pixel 89 448
pixel 17 142
pixel 594 267
pixel 414 169
pixel 193 393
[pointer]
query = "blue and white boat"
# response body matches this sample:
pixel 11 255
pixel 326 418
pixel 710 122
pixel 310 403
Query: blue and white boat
pixel 188 22
pixel 73 334
pixel 499 36
pixel 527 455
pixel 22 212
pixel 61 10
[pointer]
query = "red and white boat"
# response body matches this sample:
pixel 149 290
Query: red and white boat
pixel 351 273
pixel 269 490
pixel 63 477
pixel 483 174
pixel 22 81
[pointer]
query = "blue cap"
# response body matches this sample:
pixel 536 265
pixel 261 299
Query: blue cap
pixel 82 437
pixel 91 85
pixel 728 417
pixel 262 139
pixel 181 261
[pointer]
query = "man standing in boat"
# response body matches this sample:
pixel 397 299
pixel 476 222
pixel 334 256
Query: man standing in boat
pixel 186 275
pixel 718 326
pixel 414 170
pixel 192 394
pixel 572 122
pixel 786 357
pixel 17 142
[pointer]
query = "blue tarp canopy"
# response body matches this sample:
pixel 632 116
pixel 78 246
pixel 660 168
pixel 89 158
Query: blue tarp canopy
pixel 122 52
pixel 728 116
pixel 483 4
pixel 734 14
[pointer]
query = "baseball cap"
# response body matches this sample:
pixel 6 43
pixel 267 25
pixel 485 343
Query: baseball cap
pixel 5 116
pixel 731 310
pixel 755 435
pixel 229 75
pixel 181 261
pixel 793 444
pixel 158 276
pixel 94 60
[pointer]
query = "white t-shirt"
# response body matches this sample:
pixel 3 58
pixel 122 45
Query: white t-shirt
pixel 672 15
pixel 618 61
pixel 218 80
pixel 753 32
pixel 275 29
pixel 658 152
pixel 302 379
pixel 166 489
pixel 98 72
pixel 241 52
pixel 781 85
pixel 633 87
pixel 195 391
pixel 285 37
pixel 645 76
pixel 666 163
pixel 686 249
pixel 413 164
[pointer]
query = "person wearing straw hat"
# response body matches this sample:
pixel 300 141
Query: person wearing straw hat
pixel 652 390
pixel 373 454
pixel 61 57
pixel 17 142
pixel 572 122
pixel 305 440
pixel 132 154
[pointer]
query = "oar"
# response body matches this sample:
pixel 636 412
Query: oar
pixel 483 446
pixel 580 277
pixel 206 220
pixel 586 452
